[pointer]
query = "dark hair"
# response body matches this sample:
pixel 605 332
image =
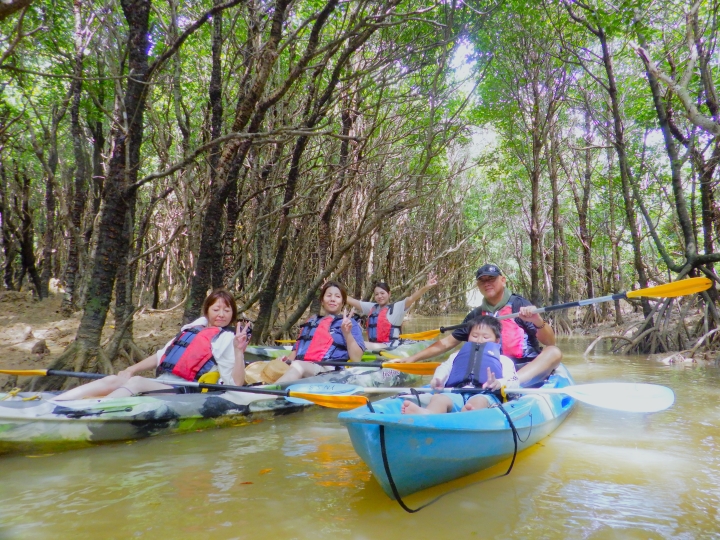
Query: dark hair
pixel 384 286
pixel 220 294
pixel 328 284
pixel 488 321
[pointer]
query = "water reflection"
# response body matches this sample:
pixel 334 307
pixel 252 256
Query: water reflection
pixel 602 475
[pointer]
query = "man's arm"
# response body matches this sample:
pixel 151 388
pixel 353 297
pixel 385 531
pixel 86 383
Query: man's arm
pixel 544 332
pixel 437 348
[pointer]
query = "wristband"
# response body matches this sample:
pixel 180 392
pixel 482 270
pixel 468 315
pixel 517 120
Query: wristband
pixel 541 327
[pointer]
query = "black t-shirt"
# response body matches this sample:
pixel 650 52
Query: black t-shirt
pixel 531 347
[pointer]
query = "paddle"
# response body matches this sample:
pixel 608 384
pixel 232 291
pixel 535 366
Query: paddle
pixel 681 287
pixel 628 397
pixel 419 368
pixel 333 400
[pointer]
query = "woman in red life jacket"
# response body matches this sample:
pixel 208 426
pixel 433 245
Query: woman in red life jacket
pixel 385 318
pixel 207 344
pixel 334 336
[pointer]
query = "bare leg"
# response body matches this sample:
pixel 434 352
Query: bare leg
pixel 99 388
pixel 537 370
pixel 475 403
pixel 136 385
pixel 370 346
pixel 299 369
pixel 439 404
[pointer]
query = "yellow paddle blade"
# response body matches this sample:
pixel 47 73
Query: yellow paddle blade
pixel 24 372
pixel 421 336
pixel 413 368
pixel 285 340
pixel 676 288
pixel 333 402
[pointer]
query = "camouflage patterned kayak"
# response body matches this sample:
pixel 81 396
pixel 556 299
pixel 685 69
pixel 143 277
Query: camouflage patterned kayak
pixel 405 349
pixel 30 421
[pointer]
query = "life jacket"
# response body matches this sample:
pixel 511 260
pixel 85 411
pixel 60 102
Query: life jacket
pixel 512 334
pixel 379 328
pixel 321 339
pixel 471 364
pixel 190 354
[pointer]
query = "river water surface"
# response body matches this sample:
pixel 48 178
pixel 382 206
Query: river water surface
pixel 601 475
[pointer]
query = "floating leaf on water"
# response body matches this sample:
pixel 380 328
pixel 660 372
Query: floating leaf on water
pixel 265 471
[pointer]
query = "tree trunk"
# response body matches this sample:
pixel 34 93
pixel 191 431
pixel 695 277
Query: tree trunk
pixel 79 197
pixel 119 194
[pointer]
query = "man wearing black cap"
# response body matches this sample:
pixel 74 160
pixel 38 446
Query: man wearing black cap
pixel 522 337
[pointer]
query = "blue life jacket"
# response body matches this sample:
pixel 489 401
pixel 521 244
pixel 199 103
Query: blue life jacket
pixel 322 339
pixel 471 364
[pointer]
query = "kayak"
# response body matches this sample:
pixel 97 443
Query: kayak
pixel 426 450
pixel 405 349
pixel 30 421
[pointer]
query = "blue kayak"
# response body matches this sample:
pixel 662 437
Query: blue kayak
pixel 426 450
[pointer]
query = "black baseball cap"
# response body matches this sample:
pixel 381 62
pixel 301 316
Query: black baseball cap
pixel 488 270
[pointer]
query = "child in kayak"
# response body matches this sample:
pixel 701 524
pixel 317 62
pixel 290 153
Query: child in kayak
pixel 476 365
pixel 209 344
pixel 336 336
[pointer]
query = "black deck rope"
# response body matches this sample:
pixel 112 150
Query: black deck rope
pixel 393 487
pixel 415 393
pixel 516 436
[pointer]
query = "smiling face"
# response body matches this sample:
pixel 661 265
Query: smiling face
pixel 382 297
pixel 492 288
pixel 332 301
pixel 482 334
pixel 219 314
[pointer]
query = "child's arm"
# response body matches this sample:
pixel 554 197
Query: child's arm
pixel 442 372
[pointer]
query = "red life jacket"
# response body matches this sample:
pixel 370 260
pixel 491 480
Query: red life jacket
pixel 379 328
pixel 318 340
pixel 513 336
pixel 190 354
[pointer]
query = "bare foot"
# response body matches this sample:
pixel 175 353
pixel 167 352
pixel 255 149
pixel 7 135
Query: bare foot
pixel 408 407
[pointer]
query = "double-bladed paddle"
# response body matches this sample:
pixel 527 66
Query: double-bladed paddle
pixel 419 368
pixel 681 287
pixel 628 397
pixel 332 400
pixel 324 395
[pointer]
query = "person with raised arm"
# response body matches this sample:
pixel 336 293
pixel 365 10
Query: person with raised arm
pixel 385 318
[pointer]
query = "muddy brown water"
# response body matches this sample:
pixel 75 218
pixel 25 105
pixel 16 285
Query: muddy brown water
pixel 601 475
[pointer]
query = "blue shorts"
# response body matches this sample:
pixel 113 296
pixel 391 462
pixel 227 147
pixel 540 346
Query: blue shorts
pixel 458 400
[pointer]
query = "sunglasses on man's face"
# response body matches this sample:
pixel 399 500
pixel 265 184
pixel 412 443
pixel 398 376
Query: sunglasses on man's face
pixel 487 279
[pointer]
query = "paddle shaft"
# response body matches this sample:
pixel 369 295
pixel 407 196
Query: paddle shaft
pixel 629 397
pixel 669 290
pixel 192 384
pixel 417 368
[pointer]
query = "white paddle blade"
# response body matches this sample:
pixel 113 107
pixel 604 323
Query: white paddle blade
pixel 628 397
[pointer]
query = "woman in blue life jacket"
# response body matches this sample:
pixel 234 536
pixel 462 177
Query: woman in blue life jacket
pixel 333 336
pixel 206 345
pixel 475 365
pixel 385 318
